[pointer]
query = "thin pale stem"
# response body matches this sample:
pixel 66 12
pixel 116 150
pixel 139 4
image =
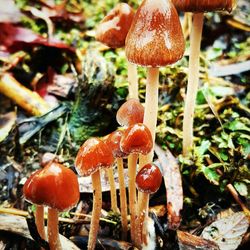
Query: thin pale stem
pixel 133 81
pixel 132 163
pixel 193 82
pixel 53 230
pixel 151 109
pixel 96 213
pixel 142 221
pixel 112 190
pixel 123 198
pixel 39 218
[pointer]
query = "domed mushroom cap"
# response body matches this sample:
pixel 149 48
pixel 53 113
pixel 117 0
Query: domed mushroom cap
pixel 55 186
pixel 130 112
pixel 113 142
pixel 204 5
pixel 155 38
pixel 114 28
pixel 93 155
pixel 148 179
pixel 137 139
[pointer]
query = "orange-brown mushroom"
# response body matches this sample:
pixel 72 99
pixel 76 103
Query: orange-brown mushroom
pixel 112 31
pixel 94 155
pixel 155 39
pixel 198 7
pixel 56 187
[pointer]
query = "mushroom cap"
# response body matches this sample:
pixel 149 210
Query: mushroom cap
pixel 114 28
pixel 55 186
pixel 93 155
pixel 155 38
pixel 204 5
pixel 137 139
pixel 130 112
pixel 148 179
pixel 113 142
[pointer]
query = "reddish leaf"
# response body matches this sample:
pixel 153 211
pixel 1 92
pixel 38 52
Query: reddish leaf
pixel 14 37
pixel 173 183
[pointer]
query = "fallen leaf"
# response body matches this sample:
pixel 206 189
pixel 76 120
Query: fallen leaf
pixel 173 183
pixel 187 241
pixel 15 38
pixel 7 121
pixel 227 232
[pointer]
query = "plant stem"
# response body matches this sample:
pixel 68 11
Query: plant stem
pixel 112 190
pixel 193 81
pixel 123 198
pixel 53 231
pixel 151 109
pixel 132 163
pixel 143 208
pixel 39 218
pixel 97 206
pixel 133 81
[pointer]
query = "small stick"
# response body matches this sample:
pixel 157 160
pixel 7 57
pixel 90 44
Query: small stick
pixel 123 198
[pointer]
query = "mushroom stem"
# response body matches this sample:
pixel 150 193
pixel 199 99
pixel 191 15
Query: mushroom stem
pixel 112 190
pixel 123 198
pixel 193 81
pixel 39 218
pixel 53 230
pixel 97 206
pixel 132 163
pixel 151 109
pixel 133 81
pixel 142 220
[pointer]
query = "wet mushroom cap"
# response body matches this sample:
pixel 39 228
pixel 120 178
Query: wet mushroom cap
pixel 155 38
pixel 148 179
pixel 55 186
pixel 113 142
pixel 204 5
pixel 130 112
pixel 114 28
pixel 137 139
pixel 93 155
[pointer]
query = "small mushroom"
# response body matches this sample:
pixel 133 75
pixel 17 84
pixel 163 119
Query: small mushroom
pixel 112 31
pixel 155 39
pixel 113 141
pixel 148 181
pixel 92 156
pixel 56 187
pixel 136 140
pixel 198 7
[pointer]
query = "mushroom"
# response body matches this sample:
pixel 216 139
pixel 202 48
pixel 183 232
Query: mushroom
pixel 113 141
pixel 136 140
pixel 198 7
pixel 112 31
pixel 92 156
pixel 155 39
pixel 148 181
pixel 56 187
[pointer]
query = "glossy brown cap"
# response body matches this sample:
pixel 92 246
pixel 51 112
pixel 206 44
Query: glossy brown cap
pixel 155 38
pixel 204 5
pixel 93 155
pixel 137 139
pixel 130 112
pixel 114 28
pixel 113 142
pixel 55 186
pixel 148 179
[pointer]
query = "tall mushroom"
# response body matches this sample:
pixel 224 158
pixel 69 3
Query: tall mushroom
pixel 148 181
pixel 92 156
pixel 56 187
pixel 136 140
pixel 155 39
pixel 113 141
pixel 112 31
pixel 198 7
